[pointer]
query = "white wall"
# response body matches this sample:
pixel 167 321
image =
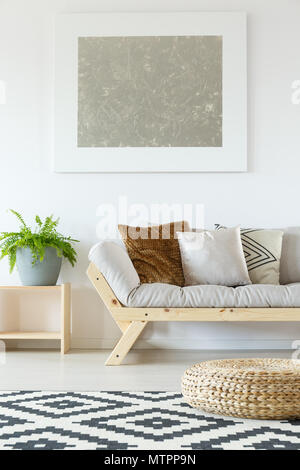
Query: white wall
pixel 268 195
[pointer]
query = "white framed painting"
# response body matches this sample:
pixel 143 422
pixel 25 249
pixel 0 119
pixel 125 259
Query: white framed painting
pixel 151 92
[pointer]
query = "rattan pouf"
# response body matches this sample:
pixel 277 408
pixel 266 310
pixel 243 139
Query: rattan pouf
pixel 246 388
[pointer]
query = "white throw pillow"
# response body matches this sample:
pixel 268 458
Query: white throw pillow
pixel 213 257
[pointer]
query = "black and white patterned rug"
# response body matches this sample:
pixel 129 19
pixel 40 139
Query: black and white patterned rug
pixel 129 421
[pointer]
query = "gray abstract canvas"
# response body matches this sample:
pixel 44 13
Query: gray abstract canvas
pixel 150 91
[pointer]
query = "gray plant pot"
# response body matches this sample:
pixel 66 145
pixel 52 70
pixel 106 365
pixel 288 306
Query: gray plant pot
pixel 43 273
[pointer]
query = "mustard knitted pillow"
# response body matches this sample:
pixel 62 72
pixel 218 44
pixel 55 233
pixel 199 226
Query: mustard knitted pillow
pixel 154 252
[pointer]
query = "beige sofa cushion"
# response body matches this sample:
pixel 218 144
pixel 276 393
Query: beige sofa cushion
pixel 114 263
pixel 290 256
pixel 252 296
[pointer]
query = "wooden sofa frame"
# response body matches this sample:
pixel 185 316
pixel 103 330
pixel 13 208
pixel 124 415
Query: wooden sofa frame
pixel 132 321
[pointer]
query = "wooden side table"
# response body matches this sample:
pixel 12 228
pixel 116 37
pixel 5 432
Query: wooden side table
pixel 64 335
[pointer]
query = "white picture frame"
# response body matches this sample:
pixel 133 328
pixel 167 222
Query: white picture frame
pixel 231 157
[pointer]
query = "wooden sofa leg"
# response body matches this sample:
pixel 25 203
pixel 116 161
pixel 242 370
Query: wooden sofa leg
pixel 126 342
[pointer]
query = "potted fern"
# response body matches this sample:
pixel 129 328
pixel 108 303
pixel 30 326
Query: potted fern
pixel 37 253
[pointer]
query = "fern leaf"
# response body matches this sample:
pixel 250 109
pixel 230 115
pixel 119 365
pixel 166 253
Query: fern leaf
pixel 38 220
pixel 18 215
pixel 12 257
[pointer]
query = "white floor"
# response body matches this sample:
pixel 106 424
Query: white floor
pixel 144 370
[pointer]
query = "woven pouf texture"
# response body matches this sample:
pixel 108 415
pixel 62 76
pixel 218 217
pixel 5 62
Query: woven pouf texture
pixel 246 388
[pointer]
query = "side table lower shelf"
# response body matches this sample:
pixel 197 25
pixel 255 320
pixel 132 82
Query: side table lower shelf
pixel 65 311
